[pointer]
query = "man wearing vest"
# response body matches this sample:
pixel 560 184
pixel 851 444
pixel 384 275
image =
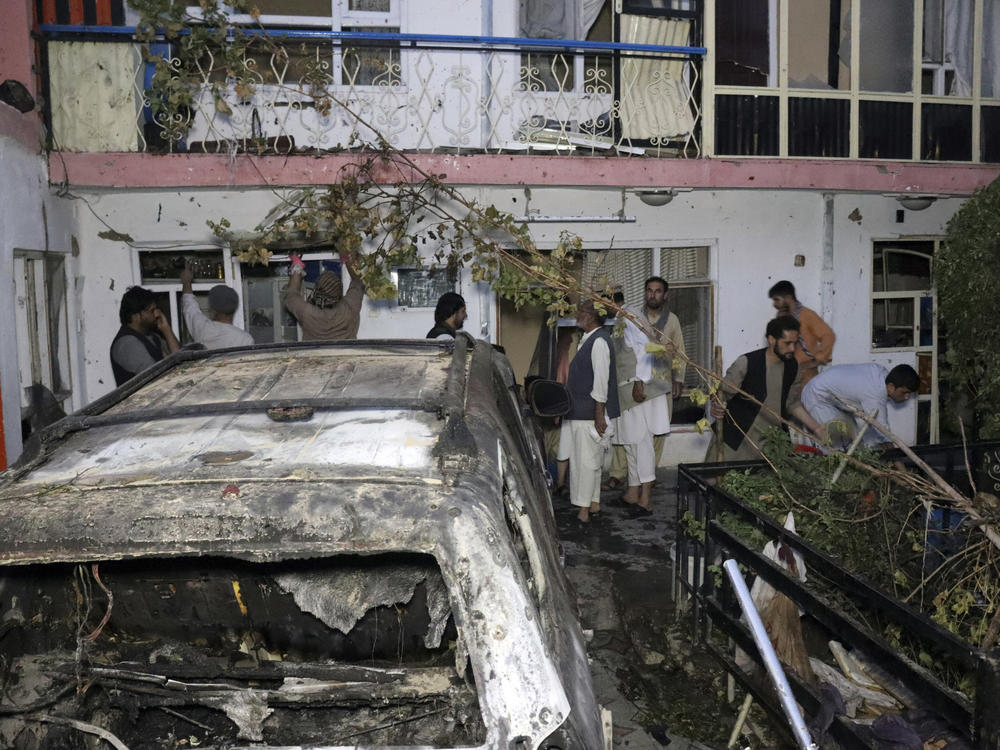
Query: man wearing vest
pixel 648 383
pixel 771 376
pixel 594 400
pixel 144 338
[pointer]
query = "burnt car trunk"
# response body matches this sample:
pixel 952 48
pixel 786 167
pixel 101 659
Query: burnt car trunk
pixel 211 652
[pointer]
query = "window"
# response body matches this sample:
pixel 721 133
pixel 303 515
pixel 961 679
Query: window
pixel 159 271
pixel 264 287
pixel 902 283
pixel 904 318
pixel 373 63
pixel 43 336
pixel 421 287
pixel 686 270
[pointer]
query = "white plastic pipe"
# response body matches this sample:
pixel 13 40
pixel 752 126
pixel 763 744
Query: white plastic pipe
pixel 771 662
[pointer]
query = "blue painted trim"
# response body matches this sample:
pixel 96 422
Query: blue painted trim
pixel 53 31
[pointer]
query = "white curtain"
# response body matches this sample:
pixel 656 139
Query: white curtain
pixel 991 49
pixel 958 44
pixel 655 98
pixel 589 11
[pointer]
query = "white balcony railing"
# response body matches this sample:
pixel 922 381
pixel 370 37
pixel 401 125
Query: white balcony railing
pixel 336 91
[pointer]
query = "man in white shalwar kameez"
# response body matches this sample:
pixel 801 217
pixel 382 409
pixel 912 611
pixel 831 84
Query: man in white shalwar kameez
pixel 647 385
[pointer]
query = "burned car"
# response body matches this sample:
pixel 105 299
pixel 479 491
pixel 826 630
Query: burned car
pixel 332 545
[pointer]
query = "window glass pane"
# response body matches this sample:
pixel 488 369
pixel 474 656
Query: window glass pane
pixel 818 127
pixel 55 298
pixel 376 6
pixel 679 263
pixel 899 270
pixel 946 132
pixel 886 130
pixel 422 287
pixel 627 268
pixel 886 45
pixel 293 7
pixel 374 64
pixel 547 72
pixel 742 39
pixel 693 307
pixel 159 266
pixel 991 41
pixel 990 134
pixel 746 125
pixel 892 323
pixel 947 48
pixel 923 422
pixel 818 46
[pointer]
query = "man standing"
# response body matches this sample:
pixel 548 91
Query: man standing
pixel 594 401
pixel 144 338
pixel 217 331
pixel 449 316
pixel 770 376
pixel 816 338
pixel 329 314
pixel 649 382
pixel 833 397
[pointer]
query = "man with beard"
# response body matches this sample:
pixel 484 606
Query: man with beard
pixel 449 316
pixel 647 385
pixel 586 429
pixel 144 338
pixel 771 376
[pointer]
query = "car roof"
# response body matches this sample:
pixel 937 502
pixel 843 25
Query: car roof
pixel 334 424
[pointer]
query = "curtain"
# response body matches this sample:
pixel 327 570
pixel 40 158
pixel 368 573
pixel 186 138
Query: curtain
pixel 655 98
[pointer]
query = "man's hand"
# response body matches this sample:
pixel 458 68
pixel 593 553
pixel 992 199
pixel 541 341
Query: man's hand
pixel 350 260
pixel 677 389
pixel 638 391
pixel 600 424
pixel 718 409
pixel 187 276
pixel 163 325
pixel 600 421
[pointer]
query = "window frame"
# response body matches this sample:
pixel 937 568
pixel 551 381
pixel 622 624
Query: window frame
pixel 340 18
pixel 911 143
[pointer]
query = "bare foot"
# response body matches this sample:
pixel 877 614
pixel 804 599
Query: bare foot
pixel 631 496
pixel 584 515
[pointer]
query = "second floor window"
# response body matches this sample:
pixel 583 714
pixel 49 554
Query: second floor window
pixel 353 63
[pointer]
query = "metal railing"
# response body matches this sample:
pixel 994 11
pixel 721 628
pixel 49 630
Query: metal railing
pixel 308 91
pixel 701 539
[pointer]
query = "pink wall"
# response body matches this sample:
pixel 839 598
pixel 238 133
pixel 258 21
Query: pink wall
pixel 206 170
pixel 16 46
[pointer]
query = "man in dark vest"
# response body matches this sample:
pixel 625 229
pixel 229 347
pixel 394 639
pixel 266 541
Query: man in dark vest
pixel 771 376
pixel 587 428
pixel 145 336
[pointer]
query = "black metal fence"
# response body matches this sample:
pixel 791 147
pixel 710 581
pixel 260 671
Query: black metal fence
pixel 702 541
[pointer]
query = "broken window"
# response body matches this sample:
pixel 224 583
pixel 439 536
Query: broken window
pixel 43 337
pixel 353 650
pixel 817 34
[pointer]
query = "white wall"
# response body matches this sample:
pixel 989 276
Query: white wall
pixel 32 219
pixel 755 236
pixel 157 218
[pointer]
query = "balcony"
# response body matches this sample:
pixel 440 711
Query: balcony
pixel 315 92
